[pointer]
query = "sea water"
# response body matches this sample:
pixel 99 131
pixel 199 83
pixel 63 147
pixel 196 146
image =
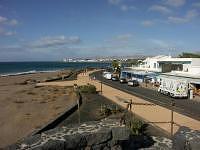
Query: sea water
pixel 18 68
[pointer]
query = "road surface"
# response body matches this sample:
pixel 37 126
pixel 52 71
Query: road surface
pixel 187 107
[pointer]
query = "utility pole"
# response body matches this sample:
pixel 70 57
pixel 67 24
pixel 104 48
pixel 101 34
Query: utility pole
pixel 172 117
pixel 79 115
pixel 101 87
pixel 101 81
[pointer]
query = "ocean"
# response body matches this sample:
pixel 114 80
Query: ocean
pixel 18 68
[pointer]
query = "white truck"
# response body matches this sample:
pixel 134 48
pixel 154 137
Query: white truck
pixel 173 86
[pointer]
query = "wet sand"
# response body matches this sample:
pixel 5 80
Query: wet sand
pixel 25 108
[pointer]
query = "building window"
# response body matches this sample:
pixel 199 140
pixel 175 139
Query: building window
pixel 154 65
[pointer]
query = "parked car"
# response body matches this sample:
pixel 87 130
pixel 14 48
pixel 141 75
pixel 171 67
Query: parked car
pixel 107 75
pixel 115 78
pixel 122 80
pixel 133 83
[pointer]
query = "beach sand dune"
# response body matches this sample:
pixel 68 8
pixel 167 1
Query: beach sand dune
pixel 25 107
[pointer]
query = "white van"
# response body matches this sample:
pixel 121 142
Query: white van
pixel 107 75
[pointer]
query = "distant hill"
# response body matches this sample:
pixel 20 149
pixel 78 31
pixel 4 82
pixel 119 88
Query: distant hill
pixel 189 55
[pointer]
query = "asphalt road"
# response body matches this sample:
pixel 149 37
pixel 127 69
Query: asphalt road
pixel 187 107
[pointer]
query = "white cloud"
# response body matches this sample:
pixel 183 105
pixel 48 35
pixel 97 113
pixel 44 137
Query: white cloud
pixel 147 23
pixel 121 38
pixel 6 21
pixel 126 7
pixel 159 43
pixel 2 30
pixel 197 4
pixel 6 33
pixel 161 9
pixel 124 36
pixel 121 5
pixel 190 15
pixel 177 20
pixel 175 3
pixel 10 33
pixel 54 41
pixel 13 22
pixel 114 2
pixel 3 19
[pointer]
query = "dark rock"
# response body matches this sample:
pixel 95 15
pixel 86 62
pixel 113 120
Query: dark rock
pixel 12 147
pixel 186 139
pixel 32 139
pixel 99 146
pixel 120 133
pixel 102 136
pixel 75 142
pixel 54 145
pixel 116 147
pixel 106 148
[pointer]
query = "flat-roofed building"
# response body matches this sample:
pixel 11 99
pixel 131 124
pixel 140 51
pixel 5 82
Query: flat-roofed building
pixel 163 64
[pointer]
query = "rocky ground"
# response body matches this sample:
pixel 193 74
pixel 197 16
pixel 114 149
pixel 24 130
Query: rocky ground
pixel 104 134
pixel 107 134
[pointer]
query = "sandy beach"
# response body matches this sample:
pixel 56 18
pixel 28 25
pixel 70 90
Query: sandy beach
pixel 25 108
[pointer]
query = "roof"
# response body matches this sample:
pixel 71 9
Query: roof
pixel 192 78
pixel 160 57
pixel 139 72
pixel 182 74
pixel 176 60
pixel 164 58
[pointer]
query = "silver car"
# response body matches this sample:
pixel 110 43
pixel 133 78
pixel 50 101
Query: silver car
pixel 133 83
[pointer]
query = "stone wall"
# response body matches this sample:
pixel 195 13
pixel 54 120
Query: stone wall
pixel 186 139
pixel 106 134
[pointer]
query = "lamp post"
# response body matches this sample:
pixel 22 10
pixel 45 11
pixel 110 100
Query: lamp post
pixel 101 79
pixel 172 117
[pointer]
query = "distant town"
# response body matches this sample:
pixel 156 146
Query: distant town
pixel 123 58
pixel 104 59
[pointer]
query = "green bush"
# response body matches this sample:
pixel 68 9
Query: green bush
pixel 87 89
pixel 108 110
pixel 136 126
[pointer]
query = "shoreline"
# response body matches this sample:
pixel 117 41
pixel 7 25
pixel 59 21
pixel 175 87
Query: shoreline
pixel 29 72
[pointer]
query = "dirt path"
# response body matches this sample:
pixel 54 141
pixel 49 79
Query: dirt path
pixel 160 116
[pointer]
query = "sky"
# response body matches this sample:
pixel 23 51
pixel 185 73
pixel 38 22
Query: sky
pixel 49 30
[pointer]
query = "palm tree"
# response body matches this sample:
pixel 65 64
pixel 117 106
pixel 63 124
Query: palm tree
pixel 116 66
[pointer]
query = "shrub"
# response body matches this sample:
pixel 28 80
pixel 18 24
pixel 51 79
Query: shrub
pixel 108 110
pixel 136 126
pixel 88 89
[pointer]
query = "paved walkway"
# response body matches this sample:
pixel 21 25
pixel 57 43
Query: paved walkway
pixel 159 116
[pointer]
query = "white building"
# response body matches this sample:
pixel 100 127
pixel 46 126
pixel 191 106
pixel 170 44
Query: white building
pixel 163 63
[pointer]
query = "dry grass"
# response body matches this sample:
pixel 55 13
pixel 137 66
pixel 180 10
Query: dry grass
pixel 19 101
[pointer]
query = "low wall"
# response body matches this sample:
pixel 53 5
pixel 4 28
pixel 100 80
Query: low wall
pixel 61 117
pixel 105 134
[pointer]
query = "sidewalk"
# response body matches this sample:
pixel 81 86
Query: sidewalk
pixel 160 116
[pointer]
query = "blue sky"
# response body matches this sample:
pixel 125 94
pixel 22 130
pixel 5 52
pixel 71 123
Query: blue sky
pixel 32 30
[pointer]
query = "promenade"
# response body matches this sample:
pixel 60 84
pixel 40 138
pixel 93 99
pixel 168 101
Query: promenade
pixel 155 114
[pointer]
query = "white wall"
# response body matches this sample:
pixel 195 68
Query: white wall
pixel 194 70
pixel 195 66
pixel 186 67
pixel 195 61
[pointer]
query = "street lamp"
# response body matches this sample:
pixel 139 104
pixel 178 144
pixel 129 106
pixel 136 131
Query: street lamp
pixel 172 117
